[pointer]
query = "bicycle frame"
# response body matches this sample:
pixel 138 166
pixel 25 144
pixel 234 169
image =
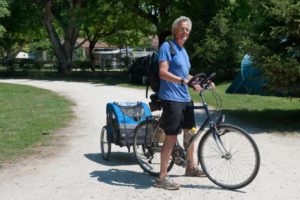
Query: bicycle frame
pixel 208 122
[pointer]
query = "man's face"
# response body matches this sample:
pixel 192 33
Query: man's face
pixel 183 31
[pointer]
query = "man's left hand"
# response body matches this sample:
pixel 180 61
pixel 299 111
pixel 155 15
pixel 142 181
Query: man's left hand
pixel 197 88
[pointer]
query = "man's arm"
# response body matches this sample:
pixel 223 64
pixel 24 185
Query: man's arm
pixel 164 73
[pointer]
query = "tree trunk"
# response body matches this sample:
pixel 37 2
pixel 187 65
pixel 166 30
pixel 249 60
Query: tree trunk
pixel 63 52
pixel 54 39
pixel 92 57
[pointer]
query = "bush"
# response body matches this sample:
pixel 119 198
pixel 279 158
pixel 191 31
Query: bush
pixel 83 65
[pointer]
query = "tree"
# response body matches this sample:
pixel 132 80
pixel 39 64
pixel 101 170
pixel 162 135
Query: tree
pixel 22 26
pixel 99 21
pixel 62 18
pixel 213 42
pixel 274 42
pixel 3 12
pixel 108 21
pixel 218 50
pixel 159 13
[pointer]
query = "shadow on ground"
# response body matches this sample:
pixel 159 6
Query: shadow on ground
pixel 138 180
pixel 115 159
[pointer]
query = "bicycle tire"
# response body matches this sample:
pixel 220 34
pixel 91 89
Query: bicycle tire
pixel 147 149
pixel 238 168
pixel 105 144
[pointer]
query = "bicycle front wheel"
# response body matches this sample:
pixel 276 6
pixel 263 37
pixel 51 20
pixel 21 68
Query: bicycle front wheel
pixel 147 143
pixel 235 168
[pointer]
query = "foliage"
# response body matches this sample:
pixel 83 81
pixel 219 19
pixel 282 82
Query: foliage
pixel 218 50
pixel 214 40
pixel 22 26
pixel 223 31
pixel 268 29
pixel 100 20
pixel 159 13
pixel 83 65
pixel 274 43
pixel 40 45
pixel 108 21
pixel 3 12
pixel 125 38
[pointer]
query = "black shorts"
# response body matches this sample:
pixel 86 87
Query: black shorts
pixel 177 116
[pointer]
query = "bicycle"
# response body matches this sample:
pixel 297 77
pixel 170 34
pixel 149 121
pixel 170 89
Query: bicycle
pixel 227 154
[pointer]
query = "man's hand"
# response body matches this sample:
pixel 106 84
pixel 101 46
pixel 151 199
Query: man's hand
pixel 198 88
pixel 211 85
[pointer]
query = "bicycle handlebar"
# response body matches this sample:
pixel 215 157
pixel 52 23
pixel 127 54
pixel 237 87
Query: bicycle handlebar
pixel 202 80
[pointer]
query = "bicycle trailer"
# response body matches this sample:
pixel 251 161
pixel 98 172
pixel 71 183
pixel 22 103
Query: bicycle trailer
pixel 121 120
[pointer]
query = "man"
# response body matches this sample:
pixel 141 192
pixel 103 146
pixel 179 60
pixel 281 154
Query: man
pixel 177 105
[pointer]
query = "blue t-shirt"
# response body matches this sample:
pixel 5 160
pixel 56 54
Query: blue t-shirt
pixel 179 65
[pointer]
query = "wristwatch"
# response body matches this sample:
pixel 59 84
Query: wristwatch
pixel 182 81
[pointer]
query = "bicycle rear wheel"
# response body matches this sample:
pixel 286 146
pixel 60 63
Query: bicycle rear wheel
pixel 147 143
pixel 238 167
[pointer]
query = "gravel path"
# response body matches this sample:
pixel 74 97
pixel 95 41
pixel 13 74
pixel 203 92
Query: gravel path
pixel 76 170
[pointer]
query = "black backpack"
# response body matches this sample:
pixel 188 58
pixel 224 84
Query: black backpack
pixel 153 73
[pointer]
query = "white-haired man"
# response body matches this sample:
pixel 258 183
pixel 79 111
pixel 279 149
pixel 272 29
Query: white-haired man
pixel 177 104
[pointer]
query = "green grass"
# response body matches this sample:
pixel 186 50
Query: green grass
pixel 273 114
pixel 269 113
pixel 28 118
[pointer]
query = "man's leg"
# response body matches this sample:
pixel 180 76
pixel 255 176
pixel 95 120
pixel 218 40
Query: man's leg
pixel 166 151
pixel 163 181
pixel 170 123
pixel 192 161
pixel 191 168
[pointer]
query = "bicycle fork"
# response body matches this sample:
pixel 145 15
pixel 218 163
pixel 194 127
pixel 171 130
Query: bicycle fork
pixel 220 145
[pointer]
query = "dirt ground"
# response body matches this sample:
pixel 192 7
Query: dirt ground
pixel 73 169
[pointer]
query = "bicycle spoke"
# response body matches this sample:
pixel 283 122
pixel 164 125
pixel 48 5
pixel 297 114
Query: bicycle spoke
pixel 147 152
pixel 235 169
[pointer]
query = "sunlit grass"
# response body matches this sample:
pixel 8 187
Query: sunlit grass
pixel 28 117
pixel 267 112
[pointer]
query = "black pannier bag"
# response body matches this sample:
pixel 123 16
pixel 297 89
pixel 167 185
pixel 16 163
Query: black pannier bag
pixel 122 118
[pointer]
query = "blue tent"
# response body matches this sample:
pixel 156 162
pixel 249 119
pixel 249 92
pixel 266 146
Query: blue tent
pixel 249 80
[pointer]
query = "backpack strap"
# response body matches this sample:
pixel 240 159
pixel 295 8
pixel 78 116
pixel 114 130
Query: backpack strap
pixel 172 48
pixel 150 70
pixel 173 53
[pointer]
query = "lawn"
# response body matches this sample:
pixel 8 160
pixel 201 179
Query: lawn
pixel 269 113
pixel 279 114
pixel 28 118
